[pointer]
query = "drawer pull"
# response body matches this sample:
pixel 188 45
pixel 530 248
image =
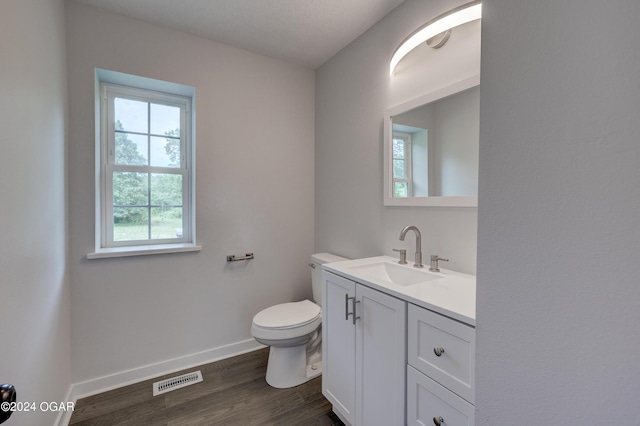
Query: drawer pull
pixel 353 308
pixel 438 421
pixel 438 351
pixel 346 306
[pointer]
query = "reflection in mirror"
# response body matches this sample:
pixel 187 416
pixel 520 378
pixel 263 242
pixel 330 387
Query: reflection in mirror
pixel 432 149
pixel 435 148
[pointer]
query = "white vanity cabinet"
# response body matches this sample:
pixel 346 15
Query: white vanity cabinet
pixel 440 370
pixel 398 343
pixel 363 352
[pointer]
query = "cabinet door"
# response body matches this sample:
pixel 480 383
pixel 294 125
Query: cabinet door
pixel 338 345
pixel 381 358
pixel 429 403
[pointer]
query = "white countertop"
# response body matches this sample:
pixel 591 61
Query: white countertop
pixel 452 294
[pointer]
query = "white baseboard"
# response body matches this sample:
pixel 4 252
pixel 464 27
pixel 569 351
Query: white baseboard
pixel 63 417
pixel 128 377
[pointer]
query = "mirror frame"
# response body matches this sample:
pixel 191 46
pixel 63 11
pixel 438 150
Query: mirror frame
pixel 389 200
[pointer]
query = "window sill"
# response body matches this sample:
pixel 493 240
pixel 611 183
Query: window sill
pixel 143 250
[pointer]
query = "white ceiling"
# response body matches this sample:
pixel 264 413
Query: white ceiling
pixel 305 32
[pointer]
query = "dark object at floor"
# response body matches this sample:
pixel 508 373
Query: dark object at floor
pixel 7 394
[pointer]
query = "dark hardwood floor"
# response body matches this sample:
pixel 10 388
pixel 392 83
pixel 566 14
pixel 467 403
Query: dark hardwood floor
pixel 233 392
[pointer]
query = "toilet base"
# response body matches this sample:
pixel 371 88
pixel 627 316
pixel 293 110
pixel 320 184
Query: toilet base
pixel 292 366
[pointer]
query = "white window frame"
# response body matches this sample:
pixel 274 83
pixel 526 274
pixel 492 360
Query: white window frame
pixel 105 163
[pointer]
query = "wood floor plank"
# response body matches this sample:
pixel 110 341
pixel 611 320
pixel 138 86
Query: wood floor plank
pixel 219 407
pixel 252 410
pixel 218 378
pixel 233 392
pixel 141 413
pixel 113 401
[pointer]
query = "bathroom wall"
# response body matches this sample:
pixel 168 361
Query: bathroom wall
pixel 254 177
pixel 353 90
pixel 34 285
pixel 559 203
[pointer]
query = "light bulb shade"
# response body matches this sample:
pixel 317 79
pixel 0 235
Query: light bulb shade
pixel 461 15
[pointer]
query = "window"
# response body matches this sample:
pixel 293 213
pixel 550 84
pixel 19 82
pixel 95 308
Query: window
pixel 401 149
pixel 146 180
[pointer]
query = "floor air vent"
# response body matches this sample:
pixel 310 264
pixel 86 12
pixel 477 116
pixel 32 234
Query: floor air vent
pixel 178 382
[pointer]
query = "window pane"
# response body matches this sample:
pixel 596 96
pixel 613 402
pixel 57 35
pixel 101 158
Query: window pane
pixel 130 189
pixel 130 223
pixel 131 116
pixel 399 171
pixel 166 222
pixel 400 189
pixel 398 148
pixel 166 189
pixel 165 120
pixel 165 152
pixel 131 149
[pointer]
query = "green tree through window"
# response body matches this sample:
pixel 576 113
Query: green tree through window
pixel 135 192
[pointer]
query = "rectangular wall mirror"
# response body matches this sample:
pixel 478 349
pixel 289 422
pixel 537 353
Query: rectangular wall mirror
pixel 431 148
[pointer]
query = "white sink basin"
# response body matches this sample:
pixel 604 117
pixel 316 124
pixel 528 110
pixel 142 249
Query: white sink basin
pixel 396 274
pixel 449 293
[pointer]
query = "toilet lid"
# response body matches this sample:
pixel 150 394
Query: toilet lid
pixel 287 315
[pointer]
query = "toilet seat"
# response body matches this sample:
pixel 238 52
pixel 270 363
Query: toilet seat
pixel 286 320
pixel 287 315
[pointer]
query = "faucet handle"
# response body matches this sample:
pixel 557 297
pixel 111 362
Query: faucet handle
pixel 434 263
pixel 403 256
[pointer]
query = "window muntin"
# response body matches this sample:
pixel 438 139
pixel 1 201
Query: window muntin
pixel 145 168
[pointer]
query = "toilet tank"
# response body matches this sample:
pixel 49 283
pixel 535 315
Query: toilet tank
pixel 317 260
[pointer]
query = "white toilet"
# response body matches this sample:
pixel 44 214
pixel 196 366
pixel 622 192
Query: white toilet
pixel 292 330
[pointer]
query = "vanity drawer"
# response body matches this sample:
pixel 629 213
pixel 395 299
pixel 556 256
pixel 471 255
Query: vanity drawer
pixel 454 368
pixel 428 403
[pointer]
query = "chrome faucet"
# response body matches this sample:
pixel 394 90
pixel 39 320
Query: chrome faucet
pixel 403 256
pixel 434 262
pixel 418 259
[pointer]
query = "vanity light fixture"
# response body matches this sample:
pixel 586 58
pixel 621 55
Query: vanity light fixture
pixel 460 15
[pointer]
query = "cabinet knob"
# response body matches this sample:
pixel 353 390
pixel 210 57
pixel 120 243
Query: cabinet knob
pixel 438 351
pixel 438 421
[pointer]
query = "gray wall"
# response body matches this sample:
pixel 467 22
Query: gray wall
pixel 353 90
pixel 456 148
pixel 34 289
pixel 558 219
pixel 255 136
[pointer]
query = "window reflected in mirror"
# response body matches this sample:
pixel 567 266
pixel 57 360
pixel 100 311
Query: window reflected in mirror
pixel 401 149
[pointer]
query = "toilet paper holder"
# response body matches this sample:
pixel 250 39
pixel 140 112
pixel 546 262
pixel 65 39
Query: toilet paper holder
pixel 234 258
